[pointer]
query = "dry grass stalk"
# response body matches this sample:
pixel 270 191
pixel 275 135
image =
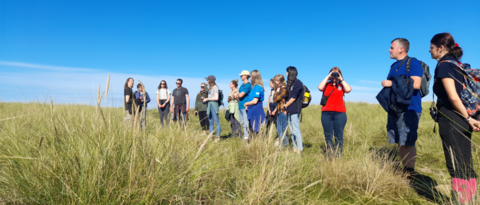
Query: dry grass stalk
pixel 107 88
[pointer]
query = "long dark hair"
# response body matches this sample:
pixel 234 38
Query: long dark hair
pixel 160 85
pixel 291 78
pixel 126 83
pixel 446 39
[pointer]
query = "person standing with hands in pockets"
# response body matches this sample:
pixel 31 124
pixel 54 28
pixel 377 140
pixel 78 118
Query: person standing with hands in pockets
pixel 334 117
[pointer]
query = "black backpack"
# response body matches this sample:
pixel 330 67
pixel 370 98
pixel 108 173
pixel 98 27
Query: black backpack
pixel 220 98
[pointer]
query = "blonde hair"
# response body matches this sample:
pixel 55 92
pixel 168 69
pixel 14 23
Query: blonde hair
pixel 256 78
pixel 281 81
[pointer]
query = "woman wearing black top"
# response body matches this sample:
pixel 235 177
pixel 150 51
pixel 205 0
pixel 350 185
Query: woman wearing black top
pixel 455 124
pixel 128 98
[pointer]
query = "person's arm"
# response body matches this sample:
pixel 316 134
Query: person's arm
pixel 171 103
pixel 168 97
pixel 290 102
pixel 158 101
pixel 346 87
pixel 457 103
pixel 148 97
pixel 269 111
pixel 324 82
pixel 127 98
pixel 187 98
pixel 253 102
pixel 211 99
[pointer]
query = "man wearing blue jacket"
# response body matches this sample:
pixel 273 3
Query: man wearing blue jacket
pixel 140 99
pixel 402 129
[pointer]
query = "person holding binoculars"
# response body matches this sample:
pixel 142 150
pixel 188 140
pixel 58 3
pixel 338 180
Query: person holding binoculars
pixel 334 117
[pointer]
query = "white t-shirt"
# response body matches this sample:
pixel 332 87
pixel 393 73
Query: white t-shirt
pixel 163 94
pixel 270 95
pixel 213 91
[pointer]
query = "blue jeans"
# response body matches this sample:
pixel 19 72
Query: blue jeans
pixel 244 121
pixel 281 128
pixel 294 124
pixel 333 125
pixel 213 117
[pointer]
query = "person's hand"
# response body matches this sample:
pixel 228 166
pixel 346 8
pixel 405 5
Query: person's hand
pixel 187 109
pixel 160 106
pixel 387 83
pixel 340 77
pixel 330 74
pixel 475 124
pixel 245 106
pixel 204 100
pixel 171 110
pixel 273 113
pixel 268 111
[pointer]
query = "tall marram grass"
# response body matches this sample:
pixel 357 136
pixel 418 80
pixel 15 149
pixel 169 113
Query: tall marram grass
pixel 76 154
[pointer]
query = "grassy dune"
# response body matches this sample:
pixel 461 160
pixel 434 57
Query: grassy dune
pixel 75 154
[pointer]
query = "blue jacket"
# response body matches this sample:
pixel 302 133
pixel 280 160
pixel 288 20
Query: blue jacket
pixel 396 99
pixel 137 96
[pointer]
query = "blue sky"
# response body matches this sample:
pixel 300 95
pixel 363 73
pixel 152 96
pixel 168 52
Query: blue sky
pixel 65 49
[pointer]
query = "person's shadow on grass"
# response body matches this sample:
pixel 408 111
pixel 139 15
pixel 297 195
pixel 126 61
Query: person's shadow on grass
pixel 423 185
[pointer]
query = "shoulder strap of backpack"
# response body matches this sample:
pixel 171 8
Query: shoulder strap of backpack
pixel 400 65
pixel 407 66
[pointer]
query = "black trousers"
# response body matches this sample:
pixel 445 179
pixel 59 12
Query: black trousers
pixel 236 126
pixel 202 116
pixel 457 146
pixel 271 119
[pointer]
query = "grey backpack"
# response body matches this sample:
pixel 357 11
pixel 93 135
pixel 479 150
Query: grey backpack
pixel 425 78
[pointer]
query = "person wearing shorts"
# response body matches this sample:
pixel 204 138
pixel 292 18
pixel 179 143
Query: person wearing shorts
pixel 402 129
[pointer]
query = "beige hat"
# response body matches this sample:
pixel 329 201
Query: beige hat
pixel 245 72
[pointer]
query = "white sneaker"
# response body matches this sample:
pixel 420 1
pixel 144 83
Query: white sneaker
pixel 277 143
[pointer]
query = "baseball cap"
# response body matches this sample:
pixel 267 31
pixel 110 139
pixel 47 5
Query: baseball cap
pixel 210 78
pixel 245 72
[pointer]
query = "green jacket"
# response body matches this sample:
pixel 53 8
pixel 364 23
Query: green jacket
pixel 199 105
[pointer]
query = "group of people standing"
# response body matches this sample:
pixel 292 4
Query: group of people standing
pixel 246 114
pixel 455 123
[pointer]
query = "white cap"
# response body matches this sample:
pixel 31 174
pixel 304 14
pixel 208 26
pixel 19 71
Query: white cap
pixel 245 72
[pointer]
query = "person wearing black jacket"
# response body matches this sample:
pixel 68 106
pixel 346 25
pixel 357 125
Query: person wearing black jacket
pixel 454 122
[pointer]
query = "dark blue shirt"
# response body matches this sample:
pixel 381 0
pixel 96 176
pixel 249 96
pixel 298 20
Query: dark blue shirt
pixel 139 94
pixel 415 70
pixel 295 92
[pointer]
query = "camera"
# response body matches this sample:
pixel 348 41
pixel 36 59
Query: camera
pixel 335 75
pixel 434 114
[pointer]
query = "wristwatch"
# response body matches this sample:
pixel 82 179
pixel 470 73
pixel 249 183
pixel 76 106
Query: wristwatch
pixel 468 119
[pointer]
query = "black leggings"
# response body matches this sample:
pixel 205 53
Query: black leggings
pixel 456 139
pixel 202 116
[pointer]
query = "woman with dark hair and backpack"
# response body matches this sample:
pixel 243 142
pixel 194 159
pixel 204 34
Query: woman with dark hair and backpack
pixel 334 117
pixel 293 105
pixel 454 122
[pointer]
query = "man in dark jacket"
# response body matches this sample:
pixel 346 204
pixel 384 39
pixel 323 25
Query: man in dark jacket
pixel 140 100
pixel 402 128
pixel 201 107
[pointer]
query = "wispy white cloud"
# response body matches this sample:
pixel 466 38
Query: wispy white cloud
pixel 370 82
pixel 362 88
pixel 43 67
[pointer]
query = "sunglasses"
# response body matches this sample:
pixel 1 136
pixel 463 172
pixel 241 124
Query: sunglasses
pixel 178 83
pixel 162 83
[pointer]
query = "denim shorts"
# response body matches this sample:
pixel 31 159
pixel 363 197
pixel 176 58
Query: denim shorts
pixel 403 130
